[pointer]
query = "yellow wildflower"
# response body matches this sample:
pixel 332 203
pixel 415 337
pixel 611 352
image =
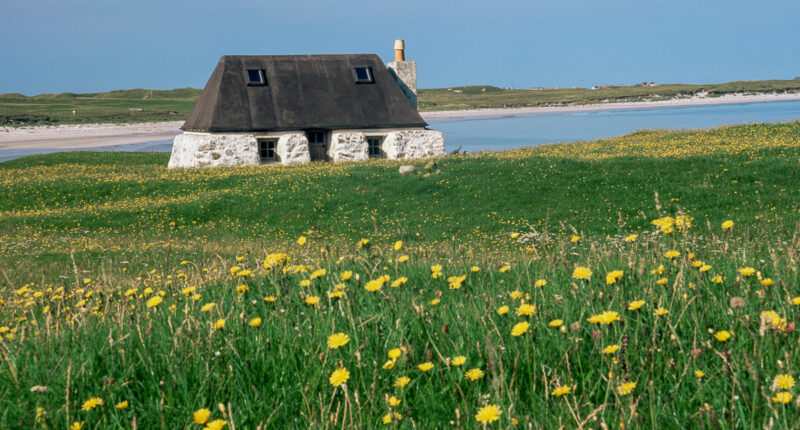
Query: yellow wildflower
pixel 473 374
pixel 626 388
pixel 425 366
pixel 488 414
pixel 519 328
pixel 582 273
pixel 337 340
pixel 339 377
pixel 255 322
pixel 201 416
pixel 561 390
pixel 402 381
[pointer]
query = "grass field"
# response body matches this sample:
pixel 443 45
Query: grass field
pixel 643 281
pixel 158 105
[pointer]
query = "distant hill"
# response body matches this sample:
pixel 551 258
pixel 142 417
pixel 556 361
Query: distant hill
pixel 137 105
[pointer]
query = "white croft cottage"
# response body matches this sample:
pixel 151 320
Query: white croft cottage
pixel 300 108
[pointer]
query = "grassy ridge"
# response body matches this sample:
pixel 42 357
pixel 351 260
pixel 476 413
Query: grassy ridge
pixel 171 105
pixel 167 292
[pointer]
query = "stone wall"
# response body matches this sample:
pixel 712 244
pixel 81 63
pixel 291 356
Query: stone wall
pixel 413 144
pixel 213 150
pixel 192 149
pixel 348 146
pixel 293 148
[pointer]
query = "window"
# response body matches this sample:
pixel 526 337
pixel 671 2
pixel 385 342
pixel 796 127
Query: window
pixel 363 75
pixel 267 150
pixel 256 77
pixel 374 147
pixel 316 136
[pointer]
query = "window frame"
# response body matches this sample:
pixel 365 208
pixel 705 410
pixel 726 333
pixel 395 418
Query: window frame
pixel 380 153
pixel 270 145
pixel 370 76
pixel 261 74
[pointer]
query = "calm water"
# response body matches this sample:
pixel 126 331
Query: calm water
pixel 478 134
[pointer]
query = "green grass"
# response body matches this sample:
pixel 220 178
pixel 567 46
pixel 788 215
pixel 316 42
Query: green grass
pixel 86 239
pixel 140 105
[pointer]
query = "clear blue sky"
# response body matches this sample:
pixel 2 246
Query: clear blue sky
pixel 97 45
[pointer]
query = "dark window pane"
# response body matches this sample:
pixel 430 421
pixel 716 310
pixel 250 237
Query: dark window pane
pixel 254 76
pixel 363 74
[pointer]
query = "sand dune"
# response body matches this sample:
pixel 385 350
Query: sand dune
pixel 97 135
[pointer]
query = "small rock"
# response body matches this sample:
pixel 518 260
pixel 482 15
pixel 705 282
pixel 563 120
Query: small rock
pixel 406 168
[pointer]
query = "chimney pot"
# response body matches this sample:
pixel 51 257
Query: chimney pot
pixel 399 50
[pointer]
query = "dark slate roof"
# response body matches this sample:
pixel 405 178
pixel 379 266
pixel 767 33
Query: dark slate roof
pixel 302 92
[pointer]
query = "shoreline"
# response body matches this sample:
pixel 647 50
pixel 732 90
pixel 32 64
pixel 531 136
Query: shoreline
pixel 88 136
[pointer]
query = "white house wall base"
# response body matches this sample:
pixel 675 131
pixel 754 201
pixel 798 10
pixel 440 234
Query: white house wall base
pixel 194 149
pixel 213 150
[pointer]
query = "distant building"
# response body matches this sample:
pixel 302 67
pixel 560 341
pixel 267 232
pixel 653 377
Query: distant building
pixel 298 108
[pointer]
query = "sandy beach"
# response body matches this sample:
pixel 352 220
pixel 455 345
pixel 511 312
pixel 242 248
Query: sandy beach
pixel 86 136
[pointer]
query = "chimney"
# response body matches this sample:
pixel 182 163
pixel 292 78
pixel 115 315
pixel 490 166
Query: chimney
pixel 404 72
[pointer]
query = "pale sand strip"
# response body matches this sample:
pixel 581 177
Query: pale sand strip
pixel 97 135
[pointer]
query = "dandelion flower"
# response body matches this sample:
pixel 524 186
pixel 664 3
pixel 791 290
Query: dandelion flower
pixel 339 377
pixel 346 275
pixel 526 310
pixel 556 323
pixel 605 318
pixel 582 273
pixel 796 301
pixel 473 374
pixel 717 279
pixel 458 360
pixel 613 276
pixel 784 381
pixel 398 245
pixel 122 405
pixel 207 307
pixel 337 340
pixel 505 268
pixel 783 397
pixel 514 235
pixel 727 224
pixel 474 269
pixel 747 271
pixel 219 324
pixel 76 425
pixel 636 304
pixel 662 281
pixel 402 381
pixel 270 299
pixel 154 301
pixel 201 416
pixel 402 259
pixel 540 283
pixel 395 353
pixel 394 401
pixel 723 335
pixel 425 366
pixel 631 238
pixel 312 300
pixel 488 414
pixel 389 364
pixel 699 374
pixel 766 282
pixel 672 254
pixel 610 349
pixel 561 390
pixel 626 388
pixel 519 328
pixel 255 322
pixel 301 240
pixel 660 311
pixel 91 403
pixel 502 310
pixel 575 238
pixel 216 425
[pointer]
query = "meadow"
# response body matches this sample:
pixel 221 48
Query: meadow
pixel 644 281
pixel 142 105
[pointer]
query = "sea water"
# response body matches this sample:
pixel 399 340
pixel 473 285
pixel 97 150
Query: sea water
pixel 480 134
pixel 514 131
